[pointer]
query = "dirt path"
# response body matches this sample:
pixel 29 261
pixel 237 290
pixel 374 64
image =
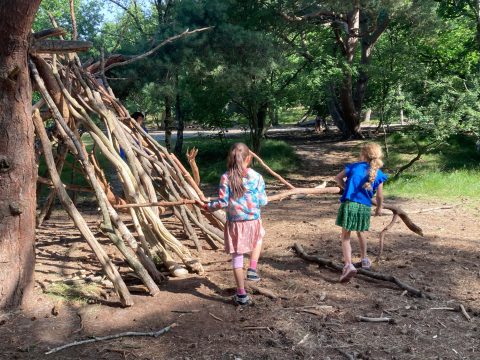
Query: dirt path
pixel 444 263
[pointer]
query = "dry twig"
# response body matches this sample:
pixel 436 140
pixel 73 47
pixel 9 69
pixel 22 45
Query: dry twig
pixel 215 317
pixel 115 336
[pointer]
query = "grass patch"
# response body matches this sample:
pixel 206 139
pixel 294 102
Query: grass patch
pixel 73 293
pixel 212 155
pixel 450 172
pixel 291 115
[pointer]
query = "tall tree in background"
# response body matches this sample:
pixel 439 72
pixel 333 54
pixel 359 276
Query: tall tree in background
pixel 17 161
pixel 356 26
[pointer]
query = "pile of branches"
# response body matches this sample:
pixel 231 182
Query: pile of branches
pixel 79 103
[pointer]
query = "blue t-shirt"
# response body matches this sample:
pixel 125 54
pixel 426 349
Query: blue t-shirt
pixel 122 152
pixel 357 176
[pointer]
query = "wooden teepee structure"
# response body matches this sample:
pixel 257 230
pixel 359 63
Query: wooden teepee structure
pixel 78 103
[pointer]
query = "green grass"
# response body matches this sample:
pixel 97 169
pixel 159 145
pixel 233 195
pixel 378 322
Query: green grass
pixel 73 293
pixel 450 172
pixel 212 154
pixel 291 115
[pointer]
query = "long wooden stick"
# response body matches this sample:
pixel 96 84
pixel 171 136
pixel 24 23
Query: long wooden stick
pixel 382 235
pixel 107 265
pixel 371 274
pixel 150 52
pixel 403 215
pixel 300 191
pixel 376 320
pixel 115 336
pixel 158 203
pixel 273 173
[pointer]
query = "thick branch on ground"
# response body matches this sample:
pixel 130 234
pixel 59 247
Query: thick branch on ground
pixel 59 46
pixel 371 274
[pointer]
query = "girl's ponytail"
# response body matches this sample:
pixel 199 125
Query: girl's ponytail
pixel 372 153
pixel 236 170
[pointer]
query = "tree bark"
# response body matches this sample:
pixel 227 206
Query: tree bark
pixel 18 170
pixel 257 125
pixel 348 107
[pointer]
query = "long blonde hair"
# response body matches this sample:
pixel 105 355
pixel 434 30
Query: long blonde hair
pixel 237 155
pixel 372 153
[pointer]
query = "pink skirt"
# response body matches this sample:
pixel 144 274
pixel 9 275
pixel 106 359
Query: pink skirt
pixel 243 236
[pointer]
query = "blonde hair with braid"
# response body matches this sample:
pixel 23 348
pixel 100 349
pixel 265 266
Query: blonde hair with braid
pixel 237 156
pixel 372 153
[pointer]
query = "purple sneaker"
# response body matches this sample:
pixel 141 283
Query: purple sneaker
pixel 366 264
pixel 349 271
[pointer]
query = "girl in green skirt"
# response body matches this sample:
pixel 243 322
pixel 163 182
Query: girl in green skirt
pixel 359 181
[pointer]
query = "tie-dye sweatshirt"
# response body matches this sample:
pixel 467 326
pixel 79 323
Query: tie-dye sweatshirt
pixel 248 206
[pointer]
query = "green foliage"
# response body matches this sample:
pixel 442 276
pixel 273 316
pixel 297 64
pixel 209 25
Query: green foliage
pixel 88 17
pixel 253 61
pixel 212 157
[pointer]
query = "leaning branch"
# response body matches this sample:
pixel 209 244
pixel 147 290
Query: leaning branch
pixel 273 173
pixel 150 52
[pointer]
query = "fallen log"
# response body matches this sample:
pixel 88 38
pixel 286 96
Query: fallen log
pixel 371 274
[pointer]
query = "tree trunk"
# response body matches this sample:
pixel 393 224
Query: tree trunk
pixel 348 107
pixel 168 124
pixel 257 127
pixel 180 125
pixel 368 114
pixel 273 114
pixel 17 157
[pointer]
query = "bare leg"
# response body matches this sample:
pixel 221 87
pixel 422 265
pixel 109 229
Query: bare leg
pixel 255 255
pixel 363 244
pixel 238 274
pixel 346 247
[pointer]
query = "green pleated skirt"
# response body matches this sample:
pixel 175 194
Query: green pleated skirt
pixel 353 216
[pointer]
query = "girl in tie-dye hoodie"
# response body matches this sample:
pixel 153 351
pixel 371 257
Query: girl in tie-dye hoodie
pixel 241 194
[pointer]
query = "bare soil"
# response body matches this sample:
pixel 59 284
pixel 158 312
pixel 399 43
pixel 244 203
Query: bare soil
pixel 444 263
